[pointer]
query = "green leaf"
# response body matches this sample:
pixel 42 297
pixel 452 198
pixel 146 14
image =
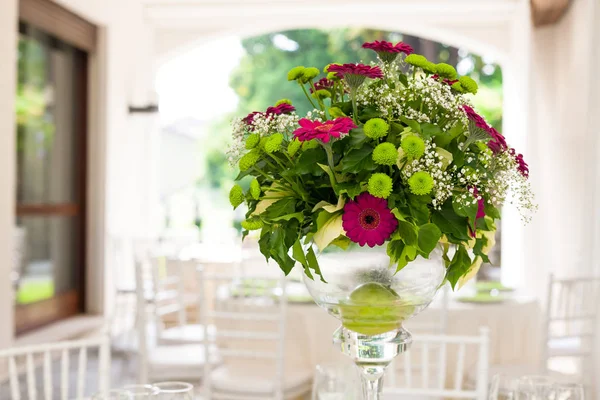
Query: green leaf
pixel 279 250
pixel 414 125
pixel 280 208
pixel 401 253
pixel 459 266
pixel 308 160
pixel 356 138
pixel 403 79
pixel 358 160
pixel 458 156
pixel 429 236
pixel 418 208
pixel 452 225
pixel 297 215
pixel 491 211
pixel 314 264
pixel 469 210
pixel 263 242
pixel 478 248
pixel 330 208
pixel 351 189
pixel 342 242
pixel 428 130
pixel 407 232
pixel 328 231
pixel 299 255
pixel 444 139
pixel 368 113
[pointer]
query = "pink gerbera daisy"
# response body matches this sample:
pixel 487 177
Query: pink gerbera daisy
pixel 388 51
pixel 368 220
pixel 355 74
pixel 323 131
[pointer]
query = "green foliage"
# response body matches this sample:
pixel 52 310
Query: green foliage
pixel 298 189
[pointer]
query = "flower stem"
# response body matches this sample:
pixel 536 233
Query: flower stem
pixel 321 104
pixel 354 106
pixel 306 94
pixel 328 150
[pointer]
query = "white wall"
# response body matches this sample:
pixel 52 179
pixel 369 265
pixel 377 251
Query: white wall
pixel 8 63
pixel 119 184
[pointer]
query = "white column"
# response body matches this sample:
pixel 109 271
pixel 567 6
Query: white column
pixel 8 43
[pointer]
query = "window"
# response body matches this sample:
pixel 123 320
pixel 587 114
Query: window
pixel 51 178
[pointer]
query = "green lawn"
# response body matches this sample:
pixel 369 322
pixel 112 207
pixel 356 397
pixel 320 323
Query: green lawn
pixel 35 290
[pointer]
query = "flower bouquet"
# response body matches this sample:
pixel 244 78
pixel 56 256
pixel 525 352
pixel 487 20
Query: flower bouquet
pixel 393 154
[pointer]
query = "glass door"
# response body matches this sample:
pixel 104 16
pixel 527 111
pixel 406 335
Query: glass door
pixel 51 179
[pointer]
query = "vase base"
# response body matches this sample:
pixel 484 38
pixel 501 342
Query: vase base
pixel 372 350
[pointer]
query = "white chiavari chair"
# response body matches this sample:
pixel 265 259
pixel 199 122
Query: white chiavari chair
pixel 161 362
pixel 571 318
pixel 251 334
pixel 414 377
pixel 171 303
pixel 32 369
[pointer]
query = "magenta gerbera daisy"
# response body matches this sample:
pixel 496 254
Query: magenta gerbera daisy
pixel 323 131
pixel 388 51
pixel 368 220
pixel 323 83
pixel 283 108
pixel 355 74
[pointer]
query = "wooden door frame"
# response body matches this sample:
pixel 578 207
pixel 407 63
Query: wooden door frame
pixel 70 28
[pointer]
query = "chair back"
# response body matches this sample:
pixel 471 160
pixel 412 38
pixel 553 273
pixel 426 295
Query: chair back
pixel 250 320
pixel 412 373
pixel 571 316
pixel 168 291
pixel 31 376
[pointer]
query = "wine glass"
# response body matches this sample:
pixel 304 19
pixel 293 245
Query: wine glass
pixel 141 392
pixel 569 391
pixel 503 387
pixel 535 388
pixel 174 390
pixel 114 394
pixel 335 382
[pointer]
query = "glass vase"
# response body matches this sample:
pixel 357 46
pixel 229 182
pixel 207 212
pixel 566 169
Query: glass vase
pixel 372 300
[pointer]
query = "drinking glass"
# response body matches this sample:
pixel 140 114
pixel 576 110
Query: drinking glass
pixel 503 387
pixel 174 390
pixel 569 391
pixel 535 388
pixel 336 382
pixel 141 392
pixel 114 394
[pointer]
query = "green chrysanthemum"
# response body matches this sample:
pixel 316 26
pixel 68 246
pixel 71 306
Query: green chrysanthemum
pixel 385 154
pixel 420 61
pixel 283 101
pixel 255 189
pixel 380 185
pixel 445 70
pixel 252 224
pixel 376 128
pixel 252 141
pixel 293 147
pixel 309 73
pixel 321 94
pixel 310 144
pixel 458 87
pixel 249 159
pixel 468 84
pixel 326 69
pixel 273 143
pixel 332 76
pixel 263 142
pixel 236 196
pixel 336 112
pixel 296 73
pixel 413 146
pixel 420 183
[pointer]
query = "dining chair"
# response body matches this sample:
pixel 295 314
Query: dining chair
pixel 159 362
pixel 251 320
pixel 172 303
pixel 412 373
pixel 31 369
pixel 571 318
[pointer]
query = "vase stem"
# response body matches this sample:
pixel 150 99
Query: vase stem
pixel 372 382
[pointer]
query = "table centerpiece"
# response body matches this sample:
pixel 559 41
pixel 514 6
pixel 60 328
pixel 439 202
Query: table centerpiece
pixel 393 156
